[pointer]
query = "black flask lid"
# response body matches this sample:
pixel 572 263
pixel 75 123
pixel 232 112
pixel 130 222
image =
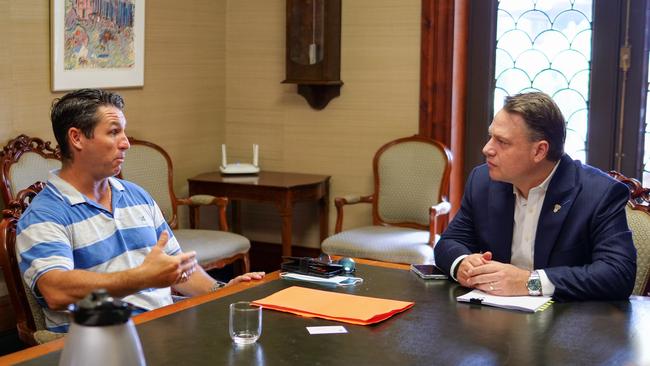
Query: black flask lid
pixel 100 309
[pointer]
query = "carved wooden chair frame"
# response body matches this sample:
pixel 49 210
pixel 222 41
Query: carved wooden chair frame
pixel 193 203
pixel 9 262
pixel 434 212
pixel 12 152
pixel 221 202
pixel 639 200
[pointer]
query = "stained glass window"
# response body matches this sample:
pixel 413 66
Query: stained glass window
pixel 545 45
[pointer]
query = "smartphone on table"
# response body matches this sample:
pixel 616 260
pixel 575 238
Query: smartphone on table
pixel 429 271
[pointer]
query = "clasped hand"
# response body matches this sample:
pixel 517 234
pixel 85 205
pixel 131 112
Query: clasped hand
pixel 481 272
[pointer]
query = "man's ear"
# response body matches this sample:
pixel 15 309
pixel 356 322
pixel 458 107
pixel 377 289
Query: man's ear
pixel 541 150
pixel 75 139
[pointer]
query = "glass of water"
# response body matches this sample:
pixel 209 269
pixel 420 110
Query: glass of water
pixel 245 322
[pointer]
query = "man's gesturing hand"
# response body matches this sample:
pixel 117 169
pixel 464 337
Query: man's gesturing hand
pixel 162 270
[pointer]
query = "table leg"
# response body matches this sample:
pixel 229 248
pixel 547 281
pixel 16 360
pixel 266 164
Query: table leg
pixel 286 212
pixel 193 216
pixel 286 233
pixel 323 214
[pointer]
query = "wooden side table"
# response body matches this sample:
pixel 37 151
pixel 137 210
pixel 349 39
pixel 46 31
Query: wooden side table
pixel 282 189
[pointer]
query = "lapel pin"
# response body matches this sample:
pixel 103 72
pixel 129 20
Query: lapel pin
pixel 556 208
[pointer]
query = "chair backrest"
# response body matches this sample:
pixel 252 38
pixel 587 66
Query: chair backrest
pixel 24 161
pixel 29 315
pixel 150 167
pixel 411 175
pixel 638 219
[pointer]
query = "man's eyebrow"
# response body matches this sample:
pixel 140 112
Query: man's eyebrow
pixel 499 137
pixel 115 124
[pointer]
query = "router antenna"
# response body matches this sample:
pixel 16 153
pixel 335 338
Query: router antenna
pixel 224 158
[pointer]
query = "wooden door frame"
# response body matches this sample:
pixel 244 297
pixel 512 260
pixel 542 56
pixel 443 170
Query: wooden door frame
pixel 443 80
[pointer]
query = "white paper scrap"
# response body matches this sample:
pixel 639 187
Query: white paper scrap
pixel 327 329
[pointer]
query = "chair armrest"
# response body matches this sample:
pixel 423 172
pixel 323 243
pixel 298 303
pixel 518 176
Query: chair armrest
pixel 44 336
pixel 339 202
pixel 435 211
pixel 194 202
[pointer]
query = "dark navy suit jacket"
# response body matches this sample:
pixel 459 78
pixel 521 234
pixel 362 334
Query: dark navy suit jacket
pixel 585 247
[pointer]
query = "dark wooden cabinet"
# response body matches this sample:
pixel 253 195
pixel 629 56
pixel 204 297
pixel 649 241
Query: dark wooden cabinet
pixel 313 49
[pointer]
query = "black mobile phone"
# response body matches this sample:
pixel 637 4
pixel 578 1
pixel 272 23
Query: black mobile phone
pixel 428 271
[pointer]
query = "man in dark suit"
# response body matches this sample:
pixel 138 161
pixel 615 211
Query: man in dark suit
pixel 533 221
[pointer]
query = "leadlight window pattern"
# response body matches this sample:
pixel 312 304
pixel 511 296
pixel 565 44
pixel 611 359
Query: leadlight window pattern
pixel 545 45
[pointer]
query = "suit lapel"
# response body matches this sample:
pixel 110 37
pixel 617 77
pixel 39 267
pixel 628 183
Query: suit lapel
pixel 558 201
pixel 501 211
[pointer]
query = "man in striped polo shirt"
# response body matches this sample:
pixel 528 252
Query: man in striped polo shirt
pixel 88 229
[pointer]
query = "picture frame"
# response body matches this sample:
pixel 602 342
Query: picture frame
pixel 97 44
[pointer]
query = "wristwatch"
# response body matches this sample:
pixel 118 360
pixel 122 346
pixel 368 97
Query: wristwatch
pixel 534 284
pixel 217 285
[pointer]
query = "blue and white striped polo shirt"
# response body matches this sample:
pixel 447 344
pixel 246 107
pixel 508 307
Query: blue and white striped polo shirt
pixel 63 229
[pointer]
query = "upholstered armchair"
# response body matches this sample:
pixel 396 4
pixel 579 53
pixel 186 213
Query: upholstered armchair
pixel 30 320
pixel 24 161
pixel 149 166
pixel 411 179
pixel 638 219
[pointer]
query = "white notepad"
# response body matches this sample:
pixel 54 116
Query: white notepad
pixel 522 303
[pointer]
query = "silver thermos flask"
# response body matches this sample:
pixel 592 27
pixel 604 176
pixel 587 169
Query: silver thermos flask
pixel 101 333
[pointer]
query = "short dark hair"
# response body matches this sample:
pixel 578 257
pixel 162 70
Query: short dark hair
pixel 78 109
pixel 543 118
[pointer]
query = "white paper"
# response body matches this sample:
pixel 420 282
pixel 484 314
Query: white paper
pixel 523 303
pixel 327 329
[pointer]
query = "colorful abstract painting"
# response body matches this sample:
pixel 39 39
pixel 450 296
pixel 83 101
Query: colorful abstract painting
pixel 97 43
pixel 99 34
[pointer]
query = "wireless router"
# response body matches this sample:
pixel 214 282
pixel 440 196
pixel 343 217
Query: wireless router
pixel 239 168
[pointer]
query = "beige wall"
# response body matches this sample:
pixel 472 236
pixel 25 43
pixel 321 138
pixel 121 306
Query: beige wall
pixel 378 103
pixel 181 106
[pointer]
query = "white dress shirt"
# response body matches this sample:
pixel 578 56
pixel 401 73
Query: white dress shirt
pixel 527 212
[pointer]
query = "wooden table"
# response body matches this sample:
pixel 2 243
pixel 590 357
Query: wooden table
pixel 437 330
pixel 282 189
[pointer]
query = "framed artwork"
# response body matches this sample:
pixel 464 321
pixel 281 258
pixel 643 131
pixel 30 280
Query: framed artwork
pixel 97 43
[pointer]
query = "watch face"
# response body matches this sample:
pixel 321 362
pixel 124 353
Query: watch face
pixel 534 284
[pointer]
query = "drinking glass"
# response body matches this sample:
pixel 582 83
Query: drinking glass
pixel 245 322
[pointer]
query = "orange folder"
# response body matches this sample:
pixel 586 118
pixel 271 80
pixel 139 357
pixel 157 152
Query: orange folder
pixel 346 308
